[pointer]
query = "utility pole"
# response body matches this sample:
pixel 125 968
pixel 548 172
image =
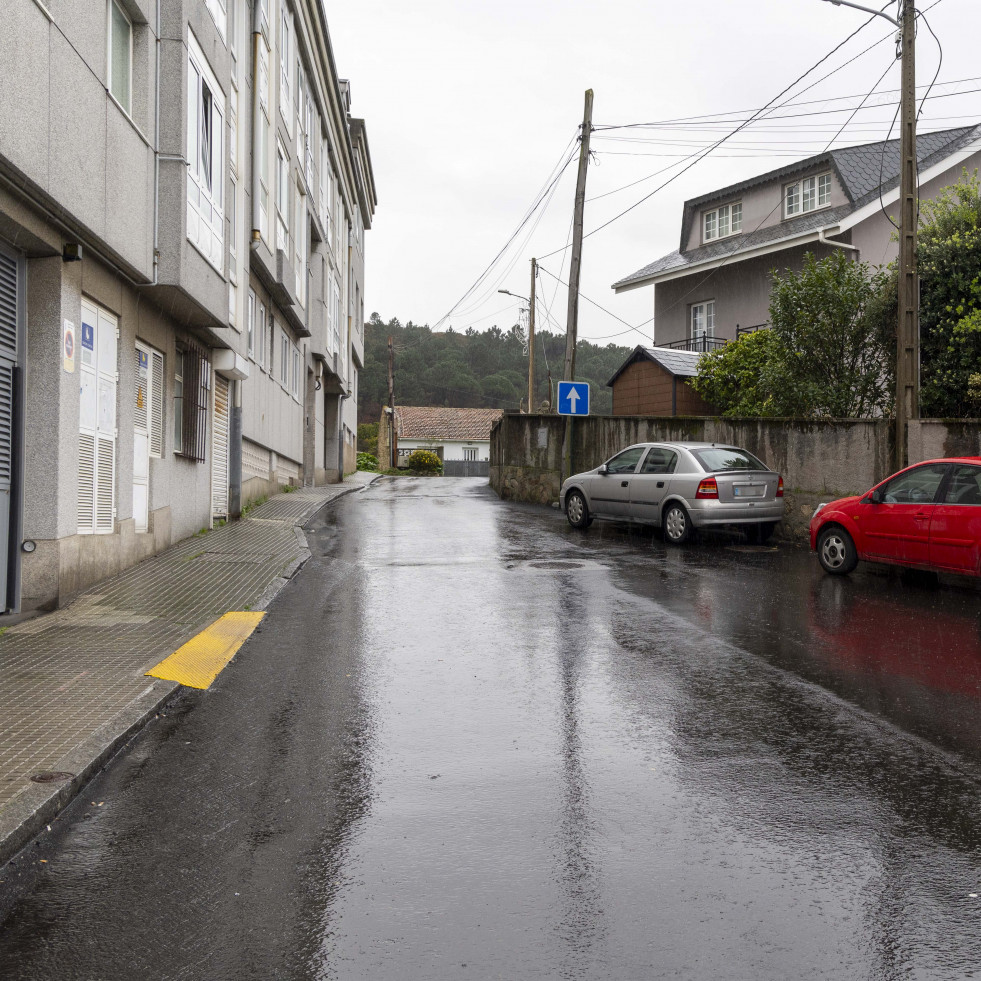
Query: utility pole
pixel 391 405
pixel 908 327
pixel 572 315
pixel 531 339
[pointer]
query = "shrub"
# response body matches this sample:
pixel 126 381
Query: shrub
pixel 368 462
pixel 425 461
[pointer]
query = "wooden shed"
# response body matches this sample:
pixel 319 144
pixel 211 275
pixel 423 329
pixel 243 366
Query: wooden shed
pixel 655 381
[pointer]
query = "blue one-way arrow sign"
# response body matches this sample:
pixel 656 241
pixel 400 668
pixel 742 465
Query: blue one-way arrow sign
pixel 573 398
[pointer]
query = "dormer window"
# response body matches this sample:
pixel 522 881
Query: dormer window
pixel 807 195
pixel 720 222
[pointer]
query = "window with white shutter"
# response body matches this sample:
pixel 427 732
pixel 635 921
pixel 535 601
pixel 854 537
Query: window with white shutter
pixel 219 451
pixel 97 422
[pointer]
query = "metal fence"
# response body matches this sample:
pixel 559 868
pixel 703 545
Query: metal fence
pixel 466 468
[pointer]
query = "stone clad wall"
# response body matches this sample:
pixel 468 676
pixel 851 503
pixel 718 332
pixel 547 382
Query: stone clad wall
pixel 824 459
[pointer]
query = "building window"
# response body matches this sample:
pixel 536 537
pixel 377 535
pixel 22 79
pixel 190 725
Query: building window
pixel 300 233
pixel 807 195
pixel 191 396
pixel 179 402
pixel 282 196
pixel 261 334
pixel 284 359
pixel 702 320
pixel 219 14
pixel 325 187
pixel 232 28
pixel 720 222
pixel 470 453
pixel 120 56
pixel 286 67
pixel 206 159
pixel 264 128
pixel 296 373
pixel 250 325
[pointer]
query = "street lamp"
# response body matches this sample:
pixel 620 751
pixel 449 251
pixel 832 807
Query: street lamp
pixel 531 333
pixel 908 328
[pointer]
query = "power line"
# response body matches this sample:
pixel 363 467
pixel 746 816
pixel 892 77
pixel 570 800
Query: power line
pixel 719 143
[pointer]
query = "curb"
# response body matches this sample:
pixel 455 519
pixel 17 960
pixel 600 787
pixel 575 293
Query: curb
pixel 34 808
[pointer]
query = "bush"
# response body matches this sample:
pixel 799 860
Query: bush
pixel 425 461
pixel 368 462
pixel 367 438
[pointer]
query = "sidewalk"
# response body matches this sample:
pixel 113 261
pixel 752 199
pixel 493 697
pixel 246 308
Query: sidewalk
pixel 72 682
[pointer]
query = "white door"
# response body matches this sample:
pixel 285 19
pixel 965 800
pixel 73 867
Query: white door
pixel 219 449
pixel 97 422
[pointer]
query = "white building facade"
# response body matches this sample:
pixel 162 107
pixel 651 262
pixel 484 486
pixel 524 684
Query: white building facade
pixel 183 204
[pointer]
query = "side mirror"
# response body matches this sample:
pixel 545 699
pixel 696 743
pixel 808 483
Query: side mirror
pixel 876 496
pixel 602 470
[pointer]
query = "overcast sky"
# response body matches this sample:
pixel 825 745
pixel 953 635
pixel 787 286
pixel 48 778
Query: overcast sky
pixel 470 104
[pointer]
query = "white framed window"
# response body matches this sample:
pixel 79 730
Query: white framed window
pixel 233 28
pixel 333 316
pixel 219 14
pixel 308 142
pixel 470 453
pixel 264 16
pixel 325 186
pixel 286 67
pixel 282 196
pixel 300 233
pixel 702 320
pixel 296 373
pixel 721 222
pixel 233 129
pixel 262 84
pixel 120 48
pixel 250 325
pixel 179 402
pixel 260 338
pixel 300 102
pixel 808 194
pixel 205 157
pixel 284 359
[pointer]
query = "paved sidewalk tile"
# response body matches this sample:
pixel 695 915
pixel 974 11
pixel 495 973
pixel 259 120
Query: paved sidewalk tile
pixel 71 678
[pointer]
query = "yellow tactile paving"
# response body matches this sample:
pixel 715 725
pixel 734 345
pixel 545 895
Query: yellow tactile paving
pixel 199 661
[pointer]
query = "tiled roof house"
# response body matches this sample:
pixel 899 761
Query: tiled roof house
pixel 732 238
pixel 461 437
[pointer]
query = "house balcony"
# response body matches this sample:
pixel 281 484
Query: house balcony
pixel 704 343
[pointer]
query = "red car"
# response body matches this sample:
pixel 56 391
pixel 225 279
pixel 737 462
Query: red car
pixel 927 516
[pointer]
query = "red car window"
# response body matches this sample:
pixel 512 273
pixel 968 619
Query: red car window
pixel 964 487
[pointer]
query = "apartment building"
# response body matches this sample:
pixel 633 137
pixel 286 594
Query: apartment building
pixel 183 204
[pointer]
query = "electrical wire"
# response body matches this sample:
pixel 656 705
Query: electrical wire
pixel 719 143
pixel 564 160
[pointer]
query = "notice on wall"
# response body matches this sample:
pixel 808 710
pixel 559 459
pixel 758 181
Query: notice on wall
pixel 68 347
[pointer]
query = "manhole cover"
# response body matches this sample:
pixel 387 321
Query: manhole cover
pixel 556 565
pixel 52 776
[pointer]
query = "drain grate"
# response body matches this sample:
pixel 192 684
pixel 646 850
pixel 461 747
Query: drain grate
pixel 52 776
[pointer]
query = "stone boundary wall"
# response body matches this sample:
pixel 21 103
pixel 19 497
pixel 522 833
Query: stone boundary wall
pixel 831 458
pixel 928 439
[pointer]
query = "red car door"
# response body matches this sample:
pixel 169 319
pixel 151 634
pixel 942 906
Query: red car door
pixel 897 528
pixel 955 532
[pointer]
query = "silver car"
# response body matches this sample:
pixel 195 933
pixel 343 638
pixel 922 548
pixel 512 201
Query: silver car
pixel 679 487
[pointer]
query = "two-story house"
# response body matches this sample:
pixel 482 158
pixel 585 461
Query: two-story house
pixel 183 198
pixel 717 283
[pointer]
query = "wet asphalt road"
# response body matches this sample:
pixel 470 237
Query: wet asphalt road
pixel 469 742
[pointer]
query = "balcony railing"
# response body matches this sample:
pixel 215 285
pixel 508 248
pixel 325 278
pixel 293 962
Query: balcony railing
pixel 700 345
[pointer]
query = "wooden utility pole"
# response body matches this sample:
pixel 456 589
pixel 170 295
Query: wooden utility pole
pixel 572 315
pixel 908 327
pixel 391 406
pixel 531 338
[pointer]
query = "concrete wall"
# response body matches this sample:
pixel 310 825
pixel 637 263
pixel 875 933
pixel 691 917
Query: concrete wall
pixel 930 439
pixel 824 458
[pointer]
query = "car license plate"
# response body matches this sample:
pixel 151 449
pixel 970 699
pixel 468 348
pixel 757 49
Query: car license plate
pixel 749 490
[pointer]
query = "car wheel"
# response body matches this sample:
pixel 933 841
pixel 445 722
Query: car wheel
pixel 577 511
pixel 760 534
pixel 836 551
pixel 677 525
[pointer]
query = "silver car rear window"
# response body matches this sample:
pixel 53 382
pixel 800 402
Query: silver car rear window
pixel 716 458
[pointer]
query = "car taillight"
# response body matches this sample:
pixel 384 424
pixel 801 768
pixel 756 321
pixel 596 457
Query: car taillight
pixel 780 487
pixel 708 488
